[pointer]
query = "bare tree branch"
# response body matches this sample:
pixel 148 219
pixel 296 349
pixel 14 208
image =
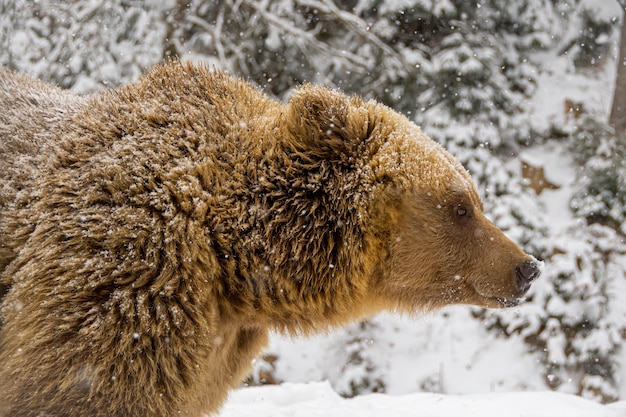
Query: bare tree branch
pixel 617 119
pixel 303 35
pixel 358 25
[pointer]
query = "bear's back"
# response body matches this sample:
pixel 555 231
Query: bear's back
pixel 30 112
pixel 30 116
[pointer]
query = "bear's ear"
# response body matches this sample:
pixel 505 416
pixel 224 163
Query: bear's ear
pixel 325 123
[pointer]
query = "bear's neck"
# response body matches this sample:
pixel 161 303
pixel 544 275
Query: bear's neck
pixel 301 246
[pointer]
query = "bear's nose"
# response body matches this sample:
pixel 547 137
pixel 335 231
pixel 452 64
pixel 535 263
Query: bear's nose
pixel 526 273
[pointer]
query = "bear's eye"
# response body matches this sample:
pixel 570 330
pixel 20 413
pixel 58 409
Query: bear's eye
pixel 462 211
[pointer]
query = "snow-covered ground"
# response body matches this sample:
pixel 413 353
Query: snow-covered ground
pixel 319 400
pixel 446 352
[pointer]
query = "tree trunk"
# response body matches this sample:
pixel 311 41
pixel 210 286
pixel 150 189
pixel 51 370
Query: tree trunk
pixel 618 109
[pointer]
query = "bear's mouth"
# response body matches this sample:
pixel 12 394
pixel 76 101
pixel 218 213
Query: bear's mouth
pixel 490 301
pixel 508 302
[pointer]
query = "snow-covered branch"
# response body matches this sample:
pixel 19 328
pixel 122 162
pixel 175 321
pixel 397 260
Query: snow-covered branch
pixel 304 36
pixel 359 26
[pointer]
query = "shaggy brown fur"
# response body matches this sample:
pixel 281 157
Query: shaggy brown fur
pixel 151 236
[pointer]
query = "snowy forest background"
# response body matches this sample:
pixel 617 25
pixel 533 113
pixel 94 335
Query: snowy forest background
pixel 519 90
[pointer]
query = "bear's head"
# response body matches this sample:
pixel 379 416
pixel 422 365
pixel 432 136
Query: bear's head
pixel 446 251
pixel 439 247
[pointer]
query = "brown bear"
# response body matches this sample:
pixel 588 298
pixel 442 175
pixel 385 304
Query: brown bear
pixel 152 235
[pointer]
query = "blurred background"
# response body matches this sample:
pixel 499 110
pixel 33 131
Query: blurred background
pixel 521 91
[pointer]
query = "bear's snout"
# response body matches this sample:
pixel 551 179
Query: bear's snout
pixel 526 273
